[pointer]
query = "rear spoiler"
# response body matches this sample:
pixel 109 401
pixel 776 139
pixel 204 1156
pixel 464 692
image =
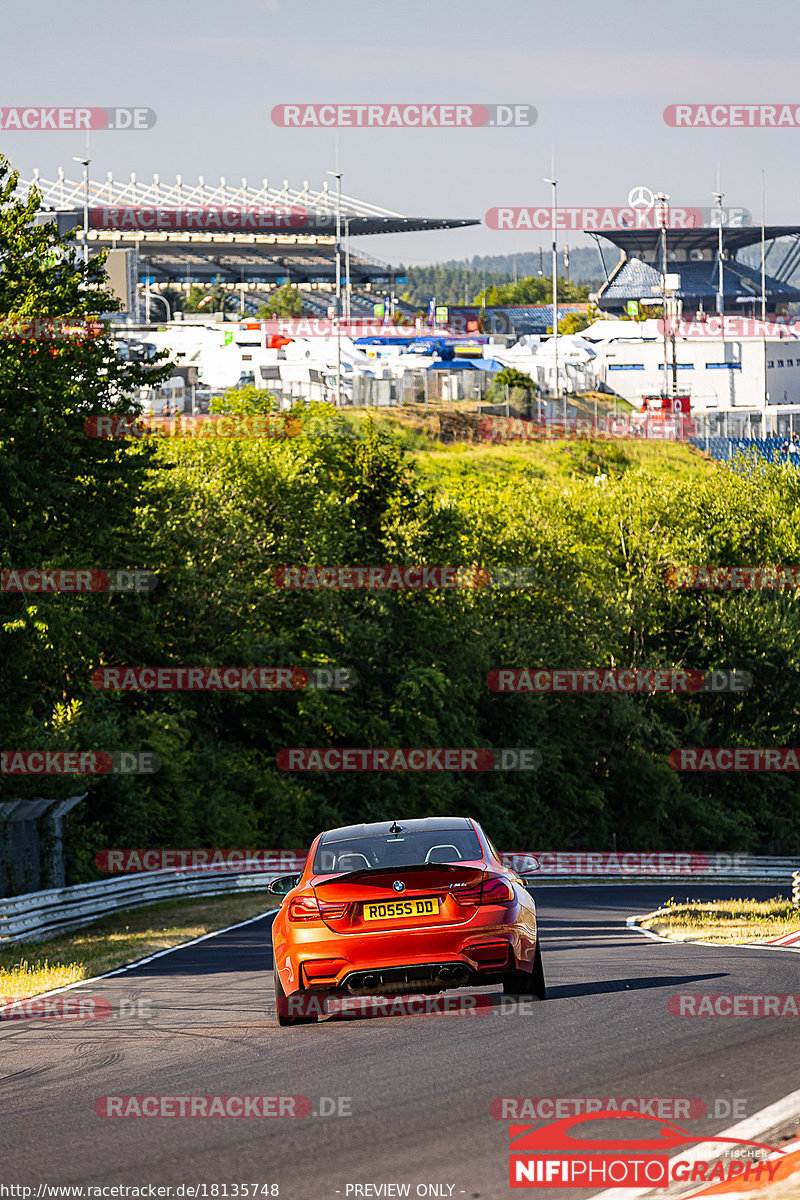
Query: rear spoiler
pixel 478 865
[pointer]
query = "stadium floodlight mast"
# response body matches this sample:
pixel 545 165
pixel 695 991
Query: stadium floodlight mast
pixel 662 199
pixel 85 162
pixel 348 295
pixel 337 174
pixel 765 397
pixel 554 184
pixel 718 196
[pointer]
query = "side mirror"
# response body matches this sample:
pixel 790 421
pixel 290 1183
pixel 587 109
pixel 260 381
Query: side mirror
pixel 282 885
pixel 531 864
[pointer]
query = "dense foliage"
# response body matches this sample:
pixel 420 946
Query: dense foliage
pixel 215 517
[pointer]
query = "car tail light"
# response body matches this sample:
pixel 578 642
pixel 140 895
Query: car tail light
pixel 304 908
pixel 335 911
pixel 494 891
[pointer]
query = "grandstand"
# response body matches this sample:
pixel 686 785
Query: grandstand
pixel 692 255
pixel 726 448
pixel 250 239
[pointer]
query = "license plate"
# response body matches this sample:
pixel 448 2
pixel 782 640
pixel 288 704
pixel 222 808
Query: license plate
pixel 389 910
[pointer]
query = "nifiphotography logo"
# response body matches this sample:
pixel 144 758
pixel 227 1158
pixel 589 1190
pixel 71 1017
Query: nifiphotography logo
pixel 552 1157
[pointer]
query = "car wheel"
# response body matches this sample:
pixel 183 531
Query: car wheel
pixel 282 1004
pixel 521 983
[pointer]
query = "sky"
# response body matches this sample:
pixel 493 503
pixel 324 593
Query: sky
pixel 598 74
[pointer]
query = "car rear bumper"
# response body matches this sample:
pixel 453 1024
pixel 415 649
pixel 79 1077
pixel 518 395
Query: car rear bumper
pixel 419 960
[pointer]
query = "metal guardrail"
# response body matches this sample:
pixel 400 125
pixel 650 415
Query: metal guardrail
pixel 39 915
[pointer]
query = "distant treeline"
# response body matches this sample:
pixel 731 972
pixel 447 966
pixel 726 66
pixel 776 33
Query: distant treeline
pixel 463 282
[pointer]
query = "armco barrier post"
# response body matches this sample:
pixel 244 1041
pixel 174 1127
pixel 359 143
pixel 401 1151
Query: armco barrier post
pixel 31 843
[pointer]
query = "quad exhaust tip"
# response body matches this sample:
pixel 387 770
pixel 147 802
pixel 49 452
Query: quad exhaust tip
pixel 442 977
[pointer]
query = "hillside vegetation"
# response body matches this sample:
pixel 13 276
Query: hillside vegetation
pixel 591 525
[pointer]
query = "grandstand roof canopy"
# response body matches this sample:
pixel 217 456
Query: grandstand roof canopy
pixel 227 233
pixel 645 242
pixel 135 207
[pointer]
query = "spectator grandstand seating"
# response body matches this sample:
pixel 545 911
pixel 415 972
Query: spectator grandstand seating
pixel 727 448
pixel 699 283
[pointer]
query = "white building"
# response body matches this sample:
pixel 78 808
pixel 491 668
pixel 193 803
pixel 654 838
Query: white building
pixel 749 375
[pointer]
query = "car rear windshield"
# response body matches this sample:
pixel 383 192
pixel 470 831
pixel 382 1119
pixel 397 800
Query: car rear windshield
pixel 401 850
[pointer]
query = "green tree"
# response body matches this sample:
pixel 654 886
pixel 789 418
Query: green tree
pixel 535 289
pixel 516 381
pixel 286 301
pixel 576 321
pixel 66 498
pixel 174 298
pixel 213 299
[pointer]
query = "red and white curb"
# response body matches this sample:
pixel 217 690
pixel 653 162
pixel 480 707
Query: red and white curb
pixel 787 941
pixel 751 1129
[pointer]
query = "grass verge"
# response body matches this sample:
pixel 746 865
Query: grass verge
pixel 445 442
pixel 27 969
pixel 724 921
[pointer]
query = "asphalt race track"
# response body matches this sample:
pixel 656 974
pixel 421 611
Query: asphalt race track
pixel 420 1087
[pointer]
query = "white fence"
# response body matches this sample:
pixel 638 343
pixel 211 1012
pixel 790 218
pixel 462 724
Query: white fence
pixel 39 915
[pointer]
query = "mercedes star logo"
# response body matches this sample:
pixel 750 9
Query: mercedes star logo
pixel 398 885
pixel 641 197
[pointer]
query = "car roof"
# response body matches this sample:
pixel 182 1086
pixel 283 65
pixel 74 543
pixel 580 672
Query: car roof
pixel 383 828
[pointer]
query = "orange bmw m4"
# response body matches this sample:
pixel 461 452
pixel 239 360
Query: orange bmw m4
pixel 399 907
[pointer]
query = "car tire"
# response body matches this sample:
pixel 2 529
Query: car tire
pixel 282 1006
pixel 523 983
pixel 538 986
